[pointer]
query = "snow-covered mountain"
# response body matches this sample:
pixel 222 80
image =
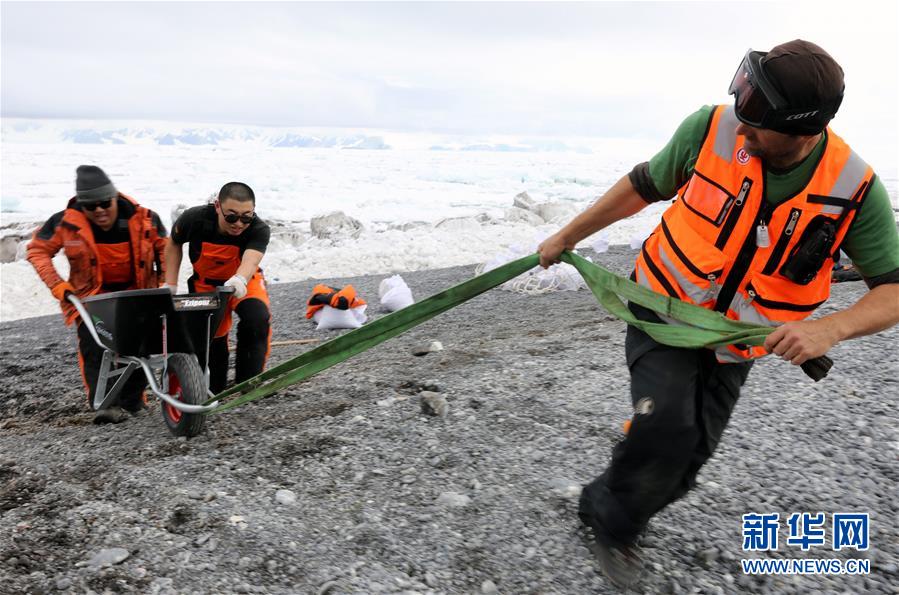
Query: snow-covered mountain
pixel 109 132
pixel 136 133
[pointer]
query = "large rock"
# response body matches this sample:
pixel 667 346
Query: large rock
pixel 519 215
pixel 335 225
pixel 14 238
pixel 556 212
pixel 408 225
pixel 9 247
pixel 524 201
pixel 458 224
pixel 177 210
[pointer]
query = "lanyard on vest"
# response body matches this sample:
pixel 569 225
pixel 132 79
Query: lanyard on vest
pixel 704 328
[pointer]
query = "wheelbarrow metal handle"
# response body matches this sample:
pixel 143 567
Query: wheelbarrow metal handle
pixel 85 318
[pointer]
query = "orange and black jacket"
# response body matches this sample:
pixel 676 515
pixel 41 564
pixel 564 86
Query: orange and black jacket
pixel 69 230
pixel 325 295
pixel 708 250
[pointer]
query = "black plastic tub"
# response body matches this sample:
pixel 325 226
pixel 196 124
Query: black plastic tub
pixel 130 322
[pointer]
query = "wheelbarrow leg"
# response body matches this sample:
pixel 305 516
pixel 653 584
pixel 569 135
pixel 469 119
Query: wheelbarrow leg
pixel 102 399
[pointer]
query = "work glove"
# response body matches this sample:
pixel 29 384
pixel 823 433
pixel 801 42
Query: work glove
pixel 239 284
pixel 61 290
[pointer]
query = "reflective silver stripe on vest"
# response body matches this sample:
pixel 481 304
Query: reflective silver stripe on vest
pixel 693 291
pixel 722 353
pixel 642 280
pixel 850 178
pixel 745 311
pixel 726 356
pixel 726 137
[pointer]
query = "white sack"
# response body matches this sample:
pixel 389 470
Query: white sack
pixel 395 294
pixel 331 318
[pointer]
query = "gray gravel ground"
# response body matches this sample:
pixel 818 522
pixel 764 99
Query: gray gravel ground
pixel 383 499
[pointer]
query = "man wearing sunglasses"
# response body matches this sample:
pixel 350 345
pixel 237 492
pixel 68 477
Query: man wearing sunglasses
pixel 112 244
pixel 226 242
pixel 766 195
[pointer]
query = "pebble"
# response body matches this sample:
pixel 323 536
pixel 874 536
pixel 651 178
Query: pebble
pixel 63 583
pixel 285 497
pixel 453 499
pixel 108 557
pixel 433 404
pixel 707 557
pixel 202 539
pixel 566 488
pixel 488 586
pixel 426 348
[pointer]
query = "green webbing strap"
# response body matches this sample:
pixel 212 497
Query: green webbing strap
pixel 702 327
pixel 705 328
pixel 366 337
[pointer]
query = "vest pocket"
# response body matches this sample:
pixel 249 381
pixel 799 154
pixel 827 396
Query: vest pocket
pixel 810 254
pixel 115 263
pixel 707 199
pixel 777 299
pixel 695 264
pixel 217 261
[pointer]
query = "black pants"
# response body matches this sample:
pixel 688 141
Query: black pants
pixel 682 400
pixel 252 346
pixel 90 355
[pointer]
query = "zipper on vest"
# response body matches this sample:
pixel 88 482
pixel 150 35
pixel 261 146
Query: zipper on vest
pixel 782 242
pixel 734 214
pixel 730 201
pixel 744 259
pixel 755 297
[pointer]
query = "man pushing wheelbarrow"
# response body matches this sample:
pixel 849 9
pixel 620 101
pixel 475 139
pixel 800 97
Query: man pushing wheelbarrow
pixel 112 244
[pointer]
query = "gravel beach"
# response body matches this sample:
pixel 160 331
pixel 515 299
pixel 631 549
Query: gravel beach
pixel 342 484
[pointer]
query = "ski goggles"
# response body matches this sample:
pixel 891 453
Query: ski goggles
pixel 756 102
pixel 234 218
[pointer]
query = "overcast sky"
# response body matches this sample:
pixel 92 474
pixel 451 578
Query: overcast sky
pixel 592 69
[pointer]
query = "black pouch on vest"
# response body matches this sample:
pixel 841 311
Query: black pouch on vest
pixel 813 248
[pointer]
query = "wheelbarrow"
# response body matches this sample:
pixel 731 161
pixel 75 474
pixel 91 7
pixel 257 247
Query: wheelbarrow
pixel 167 337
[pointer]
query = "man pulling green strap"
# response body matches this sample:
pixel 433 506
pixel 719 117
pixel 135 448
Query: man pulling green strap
pixel 765 195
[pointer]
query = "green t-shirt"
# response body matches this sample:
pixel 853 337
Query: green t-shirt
pixel 872 241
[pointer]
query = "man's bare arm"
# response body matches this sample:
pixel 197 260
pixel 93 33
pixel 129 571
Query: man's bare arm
pixel 249 263
pixel 173 255
pixel 799 341
pixel 619 202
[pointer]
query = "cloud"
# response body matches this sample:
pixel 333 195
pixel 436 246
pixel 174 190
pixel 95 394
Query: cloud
pixel 601 68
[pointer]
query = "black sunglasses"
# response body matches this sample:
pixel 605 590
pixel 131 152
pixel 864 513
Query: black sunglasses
pixel 234 218
pixel 92 206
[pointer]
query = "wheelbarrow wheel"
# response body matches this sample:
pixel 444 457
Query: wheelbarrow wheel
pixel 186 384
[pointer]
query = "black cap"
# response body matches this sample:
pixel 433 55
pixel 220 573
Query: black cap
pixel 808 78
pixel 93 185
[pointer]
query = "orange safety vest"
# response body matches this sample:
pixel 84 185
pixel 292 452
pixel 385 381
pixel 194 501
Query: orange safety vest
pixel 705 249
